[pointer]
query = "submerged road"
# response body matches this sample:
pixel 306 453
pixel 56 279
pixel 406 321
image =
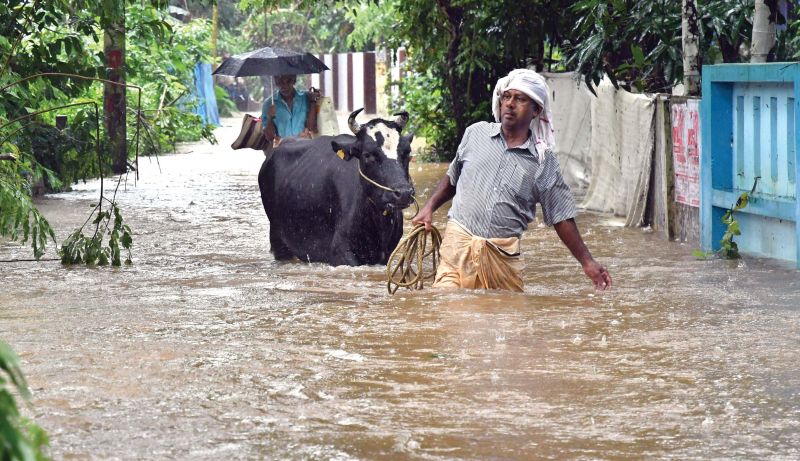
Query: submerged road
pixel 206 348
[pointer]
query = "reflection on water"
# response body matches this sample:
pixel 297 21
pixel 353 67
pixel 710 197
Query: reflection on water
pixel 206 348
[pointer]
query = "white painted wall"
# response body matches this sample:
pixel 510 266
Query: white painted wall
pixel 358 80
pixel 341 92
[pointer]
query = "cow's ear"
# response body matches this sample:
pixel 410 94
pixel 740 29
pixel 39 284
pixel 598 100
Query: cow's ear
pixel 404 146
pixel 345 150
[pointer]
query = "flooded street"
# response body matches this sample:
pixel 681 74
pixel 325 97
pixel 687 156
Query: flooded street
pixel 206 348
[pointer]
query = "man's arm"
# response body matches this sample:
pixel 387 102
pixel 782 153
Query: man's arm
pixel 311 121
pixel 567 231
pixel 444 192
pixel 268 114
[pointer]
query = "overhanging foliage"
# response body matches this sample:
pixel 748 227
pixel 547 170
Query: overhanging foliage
pixel 66 36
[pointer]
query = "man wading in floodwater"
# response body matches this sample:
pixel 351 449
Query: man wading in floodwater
pixel 500 172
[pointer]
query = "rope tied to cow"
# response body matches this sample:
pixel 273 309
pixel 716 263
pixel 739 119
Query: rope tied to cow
pixel 406 265
pixel 388 189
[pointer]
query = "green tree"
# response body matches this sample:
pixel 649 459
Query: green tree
pixel 726 26
pixel 320 26
pixel 634 42
pixel 65 37
pixel 787 47
pixel 461 47
pixel 637 43
pixel 33 39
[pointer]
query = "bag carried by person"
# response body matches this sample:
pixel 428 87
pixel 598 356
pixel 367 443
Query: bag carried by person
pixel 250 136
pixel 327 123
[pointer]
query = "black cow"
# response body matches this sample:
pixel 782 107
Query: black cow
pixel 322 209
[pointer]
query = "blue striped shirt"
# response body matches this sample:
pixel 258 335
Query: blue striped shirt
pixel 497 188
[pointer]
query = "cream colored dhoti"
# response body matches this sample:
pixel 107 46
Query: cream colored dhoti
pixel 468 261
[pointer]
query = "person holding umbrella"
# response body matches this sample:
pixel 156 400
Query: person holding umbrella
pixel 289 112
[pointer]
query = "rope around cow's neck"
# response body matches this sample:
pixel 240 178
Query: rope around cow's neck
pixel 405 266
pixel 388 189
pixel 379 186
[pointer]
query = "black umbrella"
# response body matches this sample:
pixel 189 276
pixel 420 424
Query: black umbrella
pixel 270 61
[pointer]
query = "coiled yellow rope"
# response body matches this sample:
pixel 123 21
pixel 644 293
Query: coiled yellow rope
pixel 405 266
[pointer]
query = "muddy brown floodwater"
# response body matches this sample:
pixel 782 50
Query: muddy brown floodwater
pixel 206 348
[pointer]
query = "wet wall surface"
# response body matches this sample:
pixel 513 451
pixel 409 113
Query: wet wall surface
pixel 207 348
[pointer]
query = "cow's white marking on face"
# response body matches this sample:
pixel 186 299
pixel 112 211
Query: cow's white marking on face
pixel 391 139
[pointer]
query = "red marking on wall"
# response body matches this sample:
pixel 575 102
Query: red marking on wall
pixel 114 59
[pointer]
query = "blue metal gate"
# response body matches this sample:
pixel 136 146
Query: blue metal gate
pixel 750 130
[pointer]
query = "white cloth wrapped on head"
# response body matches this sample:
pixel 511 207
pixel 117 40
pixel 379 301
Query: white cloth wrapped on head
pixel 535 87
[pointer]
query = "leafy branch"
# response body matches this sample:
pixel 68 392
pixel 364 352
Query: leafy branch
pixel 728 249
pixel 20 439
pixel 20 219
pixel 78 248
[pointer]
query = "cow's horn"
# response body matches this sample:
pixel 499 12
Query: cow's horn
pixel 401 118
pixel 351 122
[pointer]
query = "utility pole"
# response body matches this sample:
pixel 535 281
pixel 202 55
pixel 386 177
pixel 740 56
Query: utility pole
pixel 763 30
pixel 691 41
pixel 114 96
